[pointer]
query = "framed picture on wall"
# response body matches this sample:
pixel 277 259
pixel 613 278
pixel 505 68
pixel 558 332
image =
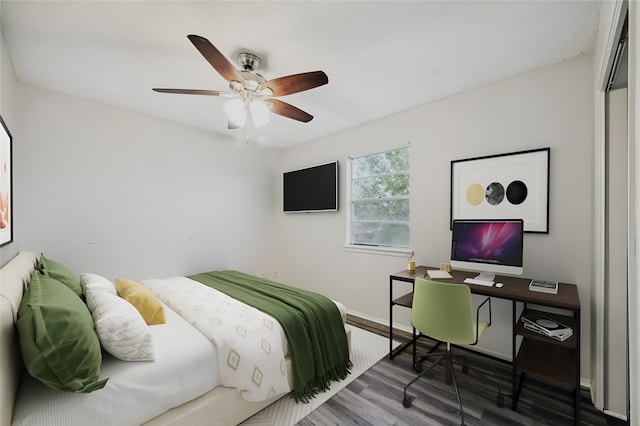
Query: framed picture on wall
pixel 504 186
pixel 6 186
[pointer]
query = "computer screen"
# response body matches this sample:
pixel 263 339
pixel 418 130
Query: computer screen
pixel 488 245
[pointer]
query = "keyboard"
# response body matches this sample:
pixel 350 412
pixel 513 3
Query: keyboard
pixel 478 282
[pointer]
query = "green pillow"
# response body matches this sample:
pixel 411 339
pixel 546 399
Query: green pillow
pixel 59 272
pixel 58 341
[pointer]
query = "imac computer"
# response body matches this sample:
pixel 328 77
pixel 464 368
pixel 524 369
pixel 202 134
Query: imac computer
pixel 488 246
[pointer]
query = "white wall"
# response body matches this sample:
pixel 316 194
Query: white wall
pixel 547 107
pixel 8 112
pixel 118 193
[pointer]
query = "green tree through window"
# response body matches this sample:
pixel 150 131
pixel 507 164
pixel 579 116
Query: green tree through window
pixel 379 204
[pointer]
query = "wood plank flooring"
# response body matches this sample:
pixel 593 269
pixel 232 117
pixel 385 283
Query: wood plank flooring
pixel 375 398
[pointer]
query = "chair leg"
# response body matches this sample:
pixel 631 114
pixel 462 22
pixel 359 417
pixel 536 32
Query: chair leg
pixel 418 361
pixel 465 368
pixel 407 400
pixel 448 358
pixel 462 360
pixel 455 385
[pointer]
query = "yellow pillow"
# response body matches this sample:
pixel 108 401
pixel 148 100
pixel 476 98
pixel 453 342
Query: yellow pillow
pixel 143 299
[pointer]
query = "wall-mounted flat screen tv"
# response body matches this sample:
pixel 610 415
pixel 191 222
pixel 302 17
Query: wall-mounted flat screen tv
pixel 311 189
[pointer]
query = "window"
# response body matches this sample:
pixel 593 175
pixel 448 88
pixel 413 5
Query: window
pixel 379 200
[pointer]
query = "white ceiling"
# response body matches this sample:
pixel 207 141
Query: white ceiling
pixel 382 57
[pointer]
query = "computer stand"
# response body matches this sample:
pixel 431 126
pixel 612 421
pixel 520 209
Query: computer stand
pixel 486 276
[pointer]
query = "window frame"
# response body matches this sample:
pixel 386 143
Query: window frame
pixel 399 251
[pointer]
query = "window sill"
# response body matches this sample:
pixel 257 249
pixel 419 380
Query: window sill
pixel 384 251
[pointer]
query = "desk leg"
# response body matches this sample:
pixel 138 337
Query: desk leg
pixel 415 355
pixel 577 392
pixel 514 369
pixel 390 318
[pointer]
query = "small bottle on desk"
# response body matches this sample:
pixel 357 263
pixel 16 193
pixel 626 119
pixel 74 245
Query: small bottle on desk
pixel 411 264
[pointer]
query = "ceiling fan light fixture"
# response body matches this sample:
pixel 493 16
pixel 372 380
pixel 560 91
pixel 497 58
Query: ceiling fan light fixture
pixel 251 93
pixel 259 112
pixel 236 111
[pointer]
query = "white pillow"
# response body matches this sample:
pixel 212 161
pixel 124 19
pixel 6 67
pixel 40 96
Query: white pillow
pixel 95 282
pixel 121 329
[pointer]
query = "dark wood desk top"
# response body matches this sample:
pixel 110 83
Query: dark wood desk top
pixel 514 288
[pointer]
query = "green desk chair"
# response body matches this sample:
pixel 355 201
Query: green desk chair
pixel 443 311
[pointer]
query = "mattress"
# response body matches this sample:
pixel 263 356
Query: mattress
pixel 185 368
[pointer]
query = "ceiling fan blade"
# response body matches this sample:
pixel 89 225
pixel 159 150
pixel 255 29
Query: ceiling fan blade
pixel 190 92
pixel 287 110
pixel 295 83
pixel 216 59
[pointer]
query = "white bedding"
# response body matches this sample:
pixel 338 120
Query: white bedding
pixel 251 345
pixel 185 368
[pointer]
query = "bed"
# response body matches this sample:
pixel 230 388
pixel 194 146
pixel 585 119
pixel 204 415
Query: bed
pixel 165 391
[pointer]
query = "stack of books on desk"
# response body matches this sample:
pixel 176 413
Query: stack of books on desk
pixel 547 326
pixel 540 286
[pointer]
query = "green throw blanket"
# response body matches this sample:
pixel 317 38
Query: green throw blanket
pixel 312 324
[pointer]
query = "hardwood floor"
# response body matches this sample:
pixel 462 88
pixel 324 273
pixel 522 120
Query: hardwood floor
pixel 375 398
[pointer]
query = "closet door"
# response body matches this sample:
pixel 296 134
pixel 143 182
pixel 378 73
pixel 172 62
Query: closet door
pixel 615 351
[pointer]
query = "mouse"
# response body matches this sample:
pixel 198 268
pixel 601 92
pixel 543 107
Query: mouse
pixel 499 285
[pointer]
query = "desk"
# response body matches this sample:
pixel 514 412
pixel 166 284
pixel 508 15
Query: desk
pixel 539 357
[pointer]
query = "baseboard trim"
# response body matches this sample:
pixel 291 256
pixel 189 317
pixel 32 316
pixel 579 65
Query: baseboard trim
pixel 616 415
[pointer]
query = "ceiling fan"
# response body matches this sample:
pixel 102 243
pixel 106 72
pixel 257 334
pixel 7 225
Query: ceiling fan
pixel 251 94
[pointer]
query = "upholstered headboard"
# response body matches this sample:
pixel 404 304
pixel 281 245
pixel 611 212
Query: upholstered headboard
pixel 14 278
